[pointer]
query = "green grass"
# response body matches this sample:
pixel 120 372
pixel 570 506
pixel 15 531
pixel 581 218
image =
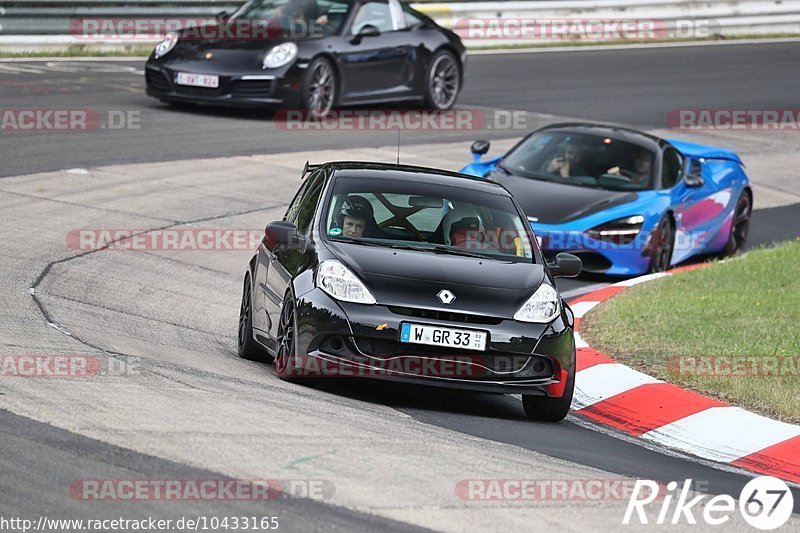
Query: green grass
pixel 748 306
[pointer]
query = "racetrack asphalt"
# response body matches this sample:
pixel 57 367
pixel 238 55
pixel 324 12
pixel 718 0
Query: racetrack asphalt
pixel 196 410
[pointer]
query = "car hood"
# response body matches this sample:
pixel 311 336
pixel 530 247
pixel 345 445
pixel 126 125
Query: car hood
pixel 556 203
pixel 413 279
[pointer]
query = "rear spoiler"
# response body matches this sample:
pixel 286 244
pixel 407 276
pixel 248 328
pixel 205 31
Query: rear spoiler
pixel 308 168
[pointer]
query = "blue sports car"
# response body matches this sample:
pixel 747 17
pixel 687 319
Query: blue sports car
pixel 623 201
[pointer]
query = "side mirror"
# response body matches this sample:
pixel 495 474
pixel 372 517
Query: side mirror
pixel 480 148
pixel 694 174
pixel 280 232
pixel 566 266
pixel 367 30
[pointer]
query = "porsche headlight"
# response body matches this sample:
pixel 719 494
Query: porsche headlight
pixel 166 45
pixel 542 307
pixel 338 281
pixel 280 55
pixel 619 231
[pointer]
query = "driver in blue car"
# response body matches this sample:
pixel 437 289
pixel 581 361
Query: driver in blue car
pixel 641 169
pixel 571 163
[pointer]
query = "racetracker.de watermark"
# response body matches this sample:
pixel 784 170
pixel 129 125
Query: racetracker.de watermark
pixel 66 366
pixel 401 119
pixel 735 366
pixel 69 120
pixel 200 489
pixel 528 490
pixel 583 29
pixel 178 239
pixel 148 28
pixel 734 119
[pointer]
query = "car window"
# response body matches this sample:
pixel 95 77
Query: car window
pixel 375 14
pixel 412 18
pixel 312 17
pixel 671 168
pixel 307 208
pixel 583 160
pixel 296 203
pixel 427 216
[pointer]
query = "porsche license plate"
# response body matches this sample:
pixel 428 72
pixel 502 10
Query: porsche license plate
pixel 468 339
pixel 197 80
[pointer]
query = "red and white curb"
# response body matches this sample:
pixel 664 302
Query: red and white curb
pixel 645 407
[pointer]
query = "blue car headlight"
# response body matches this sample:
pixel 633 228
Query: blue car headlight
pixel 620 231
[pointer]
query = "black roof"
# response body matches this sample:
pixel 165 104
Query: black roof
pixel 373 170
pixel 609 130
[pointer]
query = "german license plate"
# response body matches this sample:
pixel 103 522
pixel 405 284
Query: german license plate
pixel 468 339
pixel 197 80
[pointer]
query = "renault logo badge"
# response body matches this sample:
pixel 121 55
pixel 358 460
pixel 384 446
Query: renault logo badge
pixel 446 297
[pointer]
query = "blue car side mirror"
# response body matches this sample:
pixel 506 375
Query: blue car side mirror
pixel 478 149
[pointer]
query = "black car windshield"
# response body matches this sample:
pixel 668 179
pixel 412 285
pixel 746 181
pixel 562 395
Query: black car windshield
pixel 583 160
pixel 303 18
pixel 427 217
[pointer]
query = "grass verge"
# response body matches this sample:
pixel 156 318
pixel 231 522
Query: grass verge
pixel 730 330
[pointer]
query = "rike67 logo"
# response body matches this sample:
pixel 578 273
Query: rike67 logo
pixel 765 503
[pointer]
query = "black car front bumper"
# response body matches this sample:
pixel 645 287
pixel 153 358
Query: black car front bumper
pixel 245 90
pixel 351 340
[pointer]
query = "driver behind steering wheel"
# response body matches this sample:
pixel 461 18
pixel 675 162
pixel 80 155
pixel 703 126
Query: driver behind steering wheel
pixel 356 217
pixel 641 168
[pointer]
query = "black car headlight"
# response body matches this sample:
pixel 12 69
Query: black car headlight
pixel 339 282
pixel 619 231
pixel 280 55
pixel 542 307
pixel 166 45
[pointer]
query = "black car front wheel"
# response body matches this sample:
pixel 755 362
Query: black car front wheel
pixel 443 81
pixel 284 363
pixel 247 346
pixel 319 87
pixel 547 409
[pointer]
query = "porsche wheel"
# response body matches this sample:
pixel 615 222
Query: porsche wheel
pixel 547 409
pixel 662 242
pixel 443 81
pixel 740 226
pixel 319 88
pixel 247 346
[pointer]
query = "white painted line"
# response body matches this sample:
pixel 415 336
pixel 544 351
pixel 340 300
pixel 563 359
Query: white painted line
pixel 110 59
pixel 641 279
pixel 722 433
pixel 581 308
pixel 568 295
pixel 607 47
pixel 579 342
pixel 600 382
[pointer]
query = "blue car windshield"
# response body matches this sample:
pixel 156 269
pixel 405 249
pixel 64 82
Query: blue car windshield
pixel 582 160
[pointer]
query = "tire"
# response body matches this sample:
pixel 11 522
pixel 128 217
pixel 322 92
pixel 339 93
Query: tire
pixel 662 243
pixel 319 88
pixel 248 348
pixel 547 409
pixel 740 226
pixel 286 342
pixel 442 81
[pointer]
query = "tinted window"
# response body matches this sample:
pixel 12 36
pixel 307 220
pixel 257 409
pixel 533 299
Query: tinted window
pixel 373 14
pixel 294 206
pixel 307 208
pixel 671 168
pixel 583 160
pixel 428 217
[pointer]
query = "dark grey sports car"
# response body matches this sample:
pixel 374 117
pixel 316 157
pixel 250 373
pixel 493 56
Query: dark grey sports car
pixel 311 54
pixel 411 274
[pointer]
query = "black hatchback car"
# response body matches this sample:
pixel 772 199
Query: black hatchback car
pixel 310 54
pixel 414 274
